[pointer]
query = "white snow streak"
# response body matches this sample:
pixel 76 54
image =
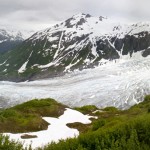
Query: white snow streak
pixel 23 67
pixel 59 44
pixel 3 62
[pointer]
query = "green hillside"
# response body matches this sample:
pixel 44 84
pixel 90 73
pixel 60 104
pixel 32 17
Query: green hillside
pixel 26 117
pixel 113 130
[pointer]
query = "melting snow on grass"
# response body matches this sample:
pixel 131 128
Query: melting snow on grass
pixel 56 130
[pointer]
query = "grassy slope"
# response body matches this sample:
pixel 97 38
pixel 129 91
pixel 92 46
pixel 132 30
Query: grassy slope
pixel 27 116
pixel 113 130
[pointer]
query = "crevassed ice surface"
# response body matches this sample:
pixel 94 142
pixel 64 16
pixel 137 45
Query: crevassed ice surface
pixel 120 83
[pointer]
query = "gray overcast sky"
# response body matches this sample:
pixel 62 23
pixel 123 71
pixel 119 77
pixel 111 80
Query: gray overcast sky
pixel 39 14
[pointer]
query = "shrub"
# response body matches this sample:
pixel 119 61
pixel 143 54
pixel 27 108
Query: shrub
pixel 6 144
pixel 147 98
pixel 111 109
pixel 86 109
pixel 98 124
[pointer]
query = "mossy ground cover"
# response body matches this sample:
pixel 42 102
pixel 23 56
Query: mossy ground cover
pixel 88 109
pixel 27 117
pixel 113 130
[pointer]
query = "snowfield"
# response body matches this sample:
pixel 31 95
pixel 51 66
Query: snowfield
pixel 121 83
pixel 56 130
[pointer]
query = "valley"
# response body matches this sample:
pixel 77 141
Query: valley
pixel 97 69
pixel 121 84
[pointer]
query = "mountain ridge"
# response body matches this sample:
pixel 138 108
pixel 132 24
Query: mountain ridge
pixel 80 42
pixel 10 38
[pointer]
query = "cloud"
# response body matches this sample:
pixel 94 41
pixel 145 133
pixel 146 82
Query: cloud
pixel 43 13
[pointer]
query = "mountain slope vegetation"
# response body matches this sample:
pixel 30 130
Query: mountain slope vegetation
pixel 114 129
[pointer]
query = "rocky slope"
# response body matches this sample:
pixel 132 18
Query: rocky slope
pixel 80 42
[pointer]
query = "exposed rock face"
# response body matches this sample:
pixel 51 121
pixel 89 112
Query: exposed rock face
pixel 80 42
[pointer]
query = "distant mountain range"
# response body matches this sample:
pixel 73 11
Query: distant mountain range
pixel 9 38
pixel 80 42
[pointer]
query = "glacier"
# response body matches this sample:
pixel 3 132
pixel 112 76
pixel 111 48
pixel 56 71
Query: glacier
pixel 120 83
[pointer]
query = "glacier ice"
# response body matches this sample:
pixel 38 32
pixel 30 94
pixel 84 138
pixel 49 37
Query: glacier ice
pixel 120 83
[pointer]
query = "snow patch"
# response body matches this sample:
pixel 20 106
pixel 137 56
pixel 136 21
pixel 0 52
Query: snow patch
pixel 56 131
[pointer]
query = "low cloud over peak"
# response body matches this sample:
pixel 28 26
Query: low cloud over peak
pixel 43 13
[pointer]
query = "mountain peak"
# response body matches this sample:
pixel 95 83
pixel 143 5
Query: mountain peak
pixel 76 20
pixel 82 15
pixel 81 18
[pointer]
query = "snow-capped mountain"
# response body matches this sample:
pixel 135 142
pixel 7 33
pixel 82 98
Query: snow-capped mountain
pixel 80 42
pixel 10 38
